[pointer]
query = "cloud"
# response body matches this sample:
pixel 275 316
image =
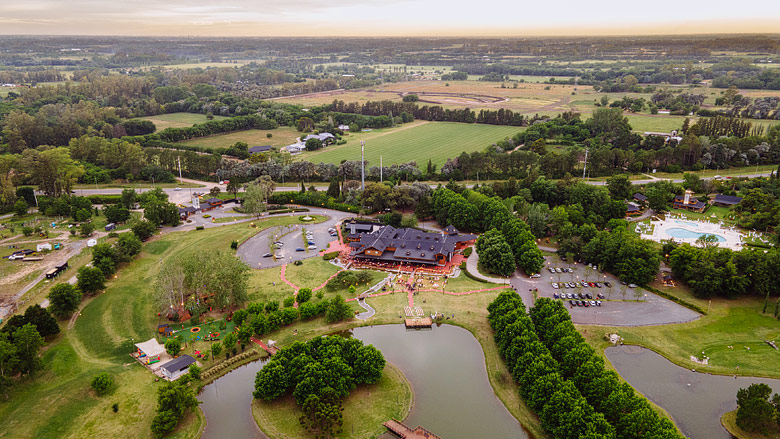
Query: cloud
pixel 380 17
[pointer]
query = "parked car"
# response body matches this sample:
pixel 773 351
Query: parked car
pixel 555 295
pixel 598 303
pixel 598 284
pixel 579 303
pixel 572 303
pixel 587 295
pixel 552 270
pixel 600 296
pixel 536 276
pixel 312 247
pixel 267 255
pixel 558 270
pixel 632 285
pixel 592 303
pixel 555 285
pixel 591 284
pixel 300 249
pixel 585 303
pixel 177 188
pixel 609 285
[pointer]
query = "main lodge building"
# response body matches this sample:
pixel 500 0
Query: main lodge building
pixel 389 244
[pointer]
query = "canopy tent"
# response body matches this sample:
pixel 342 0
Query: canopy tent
pixel 150 350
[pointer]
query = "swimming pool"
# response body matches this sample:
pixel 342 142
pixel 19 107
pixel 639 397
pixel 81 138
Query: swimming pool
pixel 677 232
pixel 686 223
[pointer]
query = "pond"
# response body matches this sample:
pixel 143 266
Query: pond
pixel 696 401
pixel 446 367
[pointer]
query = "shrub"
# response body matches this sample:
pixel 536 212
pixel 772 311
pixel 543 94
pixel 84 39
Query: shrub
pixel 113 235
pixel 27 231
pixel 102 383
pixel 115 407
pixel 198 227
pixel 304 294
pixel 173 346
pixel 289 301
pixel 194 371
pixel 234 244
pixel 332 255
pixel 468 251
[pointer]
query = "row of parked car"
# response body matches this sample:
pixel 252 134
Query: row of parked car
pixel 582 283
pixel 582 296
pixel 560 270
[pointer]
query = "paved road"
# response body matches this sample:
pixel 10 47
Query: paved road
pixel 253 249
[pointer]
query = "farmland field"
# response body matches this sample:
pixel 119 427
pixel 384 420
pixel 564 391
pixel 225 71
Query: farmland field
pixel 178 120
pixel 418 142
pixel 281 136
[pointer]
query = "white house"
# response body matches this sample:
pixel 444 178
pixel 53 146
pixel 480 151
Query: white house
pixel 44 246
pixel 344 127
pixel 177 367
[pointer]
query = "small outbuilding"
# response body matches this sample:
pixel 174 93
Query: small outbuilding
pixel 640 198
pixel 260 149
pixel 149 352
pixel 44 246
pixel 177 367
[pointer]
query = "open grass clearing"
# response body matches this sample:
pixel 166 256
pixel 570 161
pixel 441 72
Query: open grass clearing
pixel 724 335
pixel 178 120
pixel 435 141
pixel 281 136
pixel 365 409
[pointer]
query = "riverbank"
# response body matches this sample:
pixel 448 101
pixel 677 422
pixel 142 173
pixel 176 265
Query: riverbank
pixel 365 409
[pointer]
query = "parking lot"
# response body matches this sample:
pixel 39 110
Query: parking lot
pixel 257 251
pixel 620 305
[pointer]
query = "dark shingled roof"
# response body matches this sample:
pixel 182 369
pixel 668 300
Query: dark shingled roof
pixel 631 208
pixel 178 363
pixel 256 149
pixel 411 245
pixel 727 199
pixel 640 197
pixel 451 230
pixel 213 201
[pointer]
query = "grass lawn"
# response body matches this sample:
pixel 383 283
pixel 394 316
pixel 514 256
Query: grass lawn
pixel 729 421
pixel 178 120
pixel 57 402
pixel 655 122
pixel 464 283
pixel 281 136
pixel 723 334
pixel 418 142
pixel 365 409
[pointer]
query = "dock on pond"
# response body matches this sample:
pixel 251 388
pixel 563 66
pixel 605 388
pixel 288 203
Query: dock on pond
pixel 423 322
pixel 404 432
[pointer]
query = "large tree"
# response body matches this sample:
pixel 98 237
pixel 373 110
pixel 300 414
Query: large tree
pixel 52 169
pixel 63 300
pixel 28 343
pixel 754 411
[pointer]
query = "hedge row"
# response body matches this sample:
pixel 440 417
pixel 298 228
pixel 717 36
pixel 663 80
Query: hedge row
pixel 563 410
pixel 105 199
pixel 218 368
pixel 632 415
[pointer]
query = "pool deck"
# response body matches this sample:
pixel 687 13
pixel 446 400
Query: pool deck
pixel 732 237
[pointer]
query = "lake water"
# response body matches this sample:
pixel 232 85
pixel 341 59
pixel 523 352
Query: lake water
pixel 446 367
pixel 696 401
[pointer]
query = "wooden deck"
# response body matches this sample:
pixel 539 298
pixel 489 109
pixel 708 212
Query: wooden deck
pixel 404 432
pixel 270 349
pixel 424 322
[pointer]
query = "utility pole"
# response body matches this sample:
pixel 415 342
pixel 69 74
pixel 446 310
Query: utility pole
pixel 363 165
pixel 586 163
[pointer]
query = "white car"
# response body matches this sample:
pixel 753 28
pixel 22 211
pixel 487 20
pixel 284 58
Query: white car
pixel 536 276
pixel 555 285
pixel 177 188
pixel 312 247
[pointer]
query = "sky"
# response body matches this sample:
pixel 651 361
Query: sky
pixel 386 17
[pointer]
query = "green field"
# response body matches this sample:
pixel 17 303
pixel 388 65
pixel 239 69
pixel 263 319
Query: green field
pixel 178 120
pixel 419 142
pixel 281 136
pixel 724 335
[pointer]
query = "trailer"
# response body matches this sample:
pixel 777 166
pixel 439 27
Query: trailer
pixel 54 272
pixel 110 227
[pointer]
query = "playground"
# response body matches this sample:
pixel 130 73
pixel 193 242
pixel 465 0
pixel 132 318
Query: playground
pixel 214 330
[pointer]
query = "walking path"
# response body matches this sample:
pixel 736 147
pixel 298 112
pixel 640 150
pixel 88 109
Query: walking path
pixel 270 349
pixel 369 311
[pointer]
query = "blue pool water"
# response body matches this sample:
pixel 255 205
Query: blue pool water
pixel 678 232
pixel 686 223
